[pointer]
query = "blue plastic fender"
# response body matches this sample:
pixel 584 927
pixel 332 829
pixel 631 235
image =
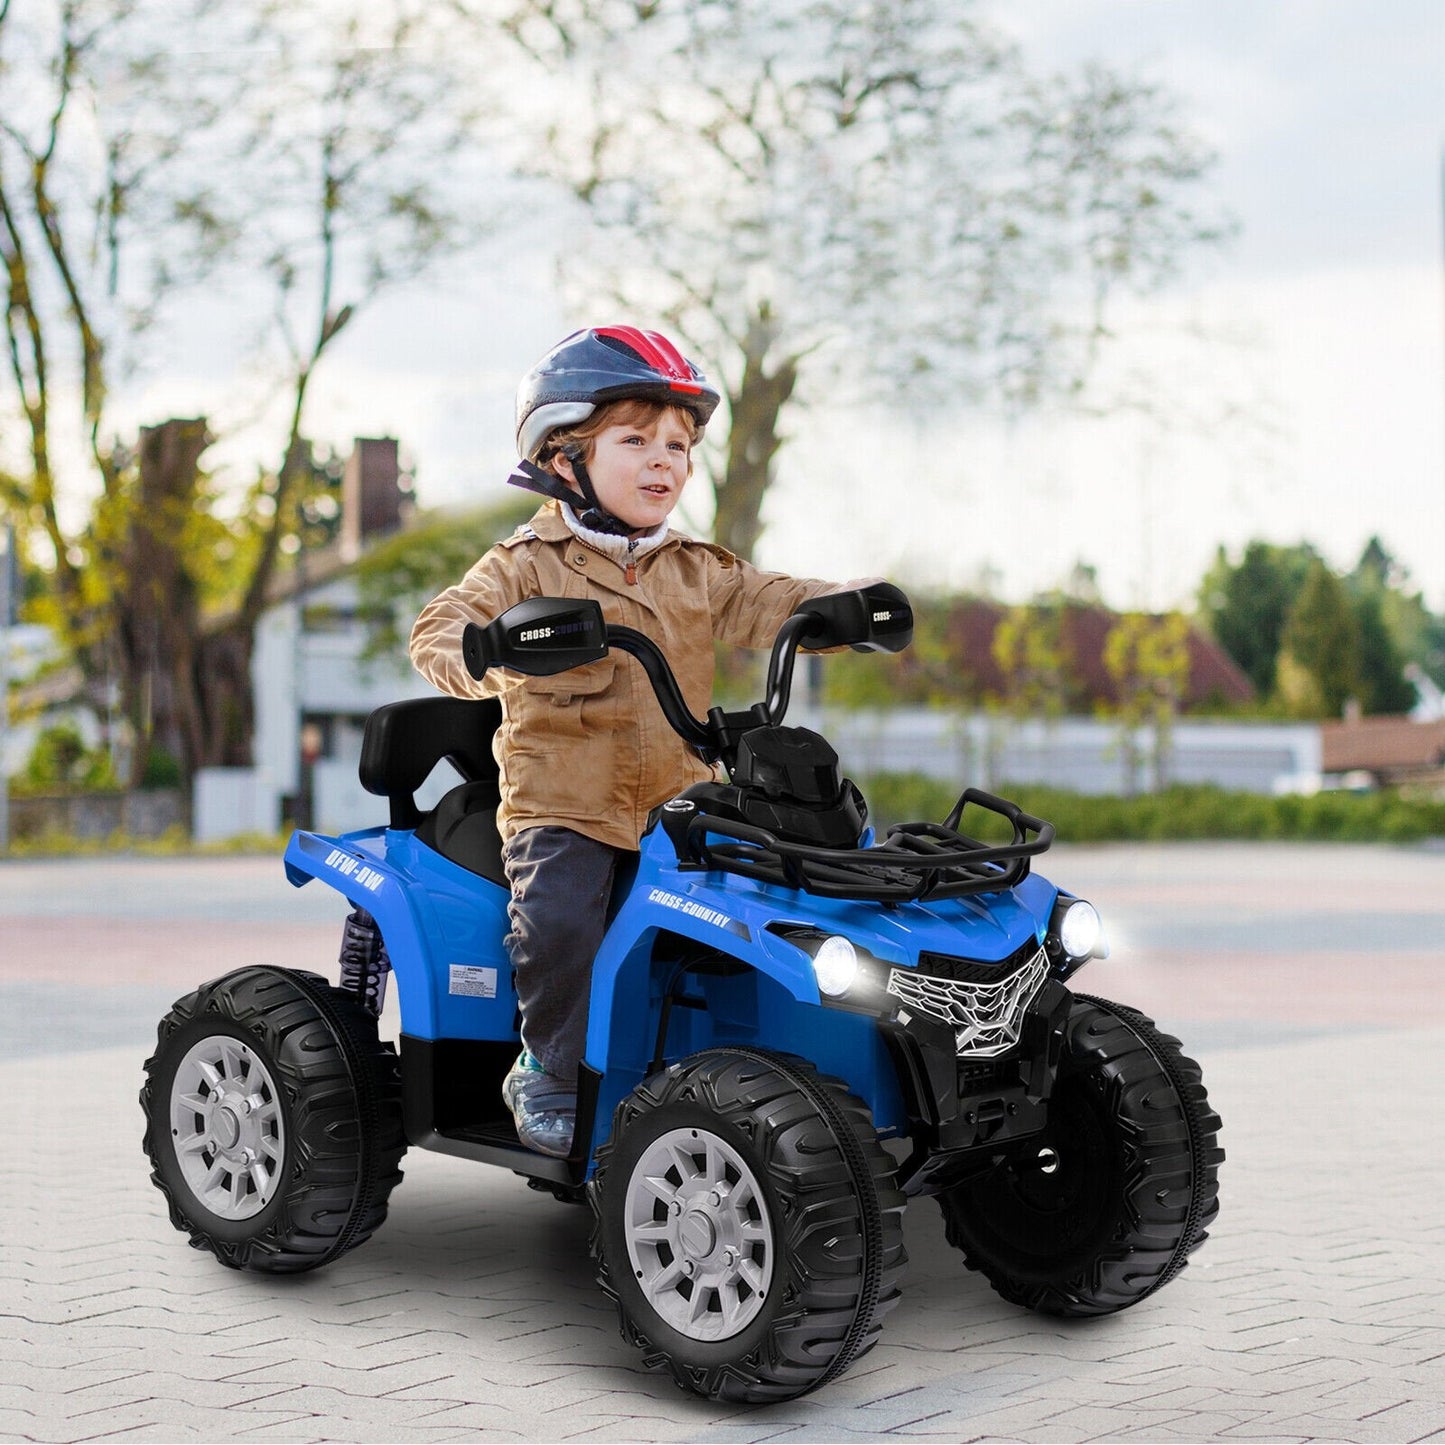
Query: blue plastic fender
pixel 443 927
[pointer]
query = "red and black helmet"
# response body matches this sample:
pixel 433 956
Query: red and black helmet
pixel 606 363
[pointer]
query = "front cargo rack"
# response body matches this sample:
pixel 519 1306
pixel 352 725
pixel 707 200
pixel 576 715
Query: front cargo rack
pixel 915 861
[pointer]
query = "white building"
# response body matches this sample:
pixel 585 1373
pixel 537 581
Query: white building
pixel 313 687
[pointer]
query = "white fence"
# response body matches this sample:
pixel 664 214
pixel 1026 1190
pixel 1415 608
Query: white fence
pixel 1084 755
pixel 230 802
pixel 1081 754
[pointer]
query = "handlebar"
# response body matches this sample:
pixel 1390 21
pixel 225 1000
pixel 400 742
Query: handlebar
pixel 826 622
pixel 664 684
pixel 545 635
pixel 716 738
pixel 781 662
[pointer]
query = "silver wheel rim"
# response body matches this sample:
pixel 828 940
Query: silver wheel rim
pixel 226 1127
pixel 699 1236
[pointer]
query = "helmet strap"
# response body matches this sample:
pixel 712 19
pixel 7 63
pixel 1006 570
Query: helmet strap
pixel 592 513
pixel 532 478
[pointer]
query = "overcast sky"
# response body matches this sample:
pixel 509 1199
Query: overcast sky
pixel 1316 411
pixel 1329 118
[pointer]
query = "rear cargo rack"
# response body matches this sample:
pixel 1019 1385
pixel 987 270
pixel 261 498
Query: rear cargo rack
pixel 914 861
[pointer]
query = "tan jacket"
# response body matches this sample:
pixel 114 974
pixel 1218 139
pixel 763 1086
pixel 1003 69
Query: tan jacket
pixel 590 749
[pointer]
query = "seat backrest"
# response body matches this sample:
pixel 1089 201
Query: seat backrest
pixel 463 828
pixel 404 741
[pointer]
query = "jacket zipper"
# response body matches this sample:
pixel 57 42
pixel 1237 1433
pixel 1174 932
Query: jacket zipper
pixel 629 570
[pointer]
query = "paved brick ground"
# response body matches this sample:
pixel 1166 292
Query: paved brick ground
pixel 1302 979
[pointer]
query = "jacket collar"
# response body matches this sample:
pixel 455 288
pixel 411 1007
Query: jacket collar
pixel 548 526
pixel 547 523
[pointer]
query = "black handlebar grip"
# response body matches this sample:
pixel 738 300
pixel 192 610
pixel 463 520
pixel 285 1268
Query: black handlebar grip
pixel 474 650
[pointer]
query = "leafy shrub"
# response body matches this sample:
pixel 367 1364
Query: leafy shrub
pixel 161 771
pixel 61 762
pixel 1183 812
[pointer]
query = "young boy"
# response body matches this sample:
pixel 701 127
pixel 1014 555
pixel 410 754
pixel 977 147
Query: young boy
pixel 606 424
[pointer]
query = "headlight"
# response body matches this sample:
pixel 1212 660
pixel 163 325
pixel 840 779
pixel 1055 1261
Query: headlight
pixel 848 974
pixel 1080 933
pixel 835 966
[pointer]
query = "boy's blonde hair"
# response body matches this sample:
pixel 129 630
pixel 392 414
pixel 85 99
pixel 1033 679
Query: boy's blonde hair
pixel 630 411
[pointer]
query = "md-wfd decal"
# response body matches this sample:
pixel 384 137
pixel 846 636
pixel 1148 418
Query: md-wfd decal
pixel 354 869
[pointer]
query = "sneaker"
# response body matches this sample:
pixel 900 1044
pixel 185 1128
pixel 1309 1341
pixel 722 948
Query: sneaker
pixel 543 1107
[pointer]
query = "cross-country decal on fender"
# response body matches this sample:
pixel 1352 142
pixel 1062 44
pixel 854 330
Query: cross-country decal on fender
pixel 699 911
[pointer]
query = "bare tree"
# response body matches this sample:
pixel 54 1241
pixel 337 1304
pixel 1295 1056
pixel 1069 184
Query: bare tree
pixel 350 137
pixel 92 126
pixel 840 199
pixel 310 149
pixel 355 128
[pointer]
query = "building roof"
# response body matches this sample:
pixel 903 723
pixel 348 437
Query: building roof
pixel 1386 746
pixel 1214 677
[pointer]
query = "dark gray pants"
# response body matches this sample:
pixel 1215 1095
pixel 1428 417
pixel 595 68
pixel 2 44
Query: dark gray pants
pixel 561 883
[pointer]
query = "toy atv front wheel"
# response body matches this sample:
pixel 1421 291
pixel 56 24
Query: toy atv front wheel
pixel 273 1120
pixel 747 1225
pixel 1105 1206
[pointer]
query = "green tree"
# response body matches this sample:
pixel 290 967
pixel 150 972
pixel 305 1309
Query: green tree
pixel 1383 687
pixel 1247 604
pixel 1394 629
pixel 1031 649
pixel 836 200
pixel 1320 654
pixel 1148 659
pixel 93 157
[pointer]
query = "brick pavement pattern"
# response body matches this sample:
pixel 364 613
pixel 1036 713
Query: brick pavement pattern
pixel 1312 1313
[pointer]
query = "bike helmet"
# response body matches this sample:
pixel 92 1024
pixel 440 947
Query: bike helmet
pixel 605 363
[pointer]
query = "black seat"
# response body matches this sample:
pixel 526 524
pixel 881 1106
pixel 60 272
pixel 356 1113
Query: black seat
pixel 404 741
pixel 463 827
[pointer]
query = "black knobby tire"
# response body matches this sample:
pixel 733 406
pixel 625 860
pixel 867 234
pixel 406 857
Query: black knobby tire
pixel 1106 1205
pixel 804 1153
pixel 329 1093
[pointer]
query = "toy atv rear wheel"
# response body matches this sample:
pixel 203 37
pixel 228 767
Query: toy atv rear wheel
pixel 273 1120
pixel 1105 1206
pixel 747 1225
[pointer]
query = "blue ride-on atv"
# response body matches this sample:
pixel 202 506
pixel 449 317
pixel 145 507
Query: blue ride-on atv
pixel 794 1028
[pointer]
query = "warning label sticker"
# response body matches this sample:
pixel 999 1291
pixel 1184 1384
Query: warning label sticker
pixel 471 982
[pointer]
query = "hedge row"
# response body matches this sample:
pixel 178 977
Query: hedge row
pixel 1181 812
pixel 174 842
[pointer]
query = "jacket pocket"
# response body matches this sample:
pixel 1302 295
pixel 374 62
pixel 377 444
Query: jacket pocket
pixel 556 705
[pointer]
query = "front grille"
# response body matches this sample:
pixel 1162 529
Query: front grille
pixel 970 970
pixel 985 1017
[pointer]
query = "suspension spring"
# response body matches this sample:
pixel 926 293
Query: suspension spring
pixel 364 964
